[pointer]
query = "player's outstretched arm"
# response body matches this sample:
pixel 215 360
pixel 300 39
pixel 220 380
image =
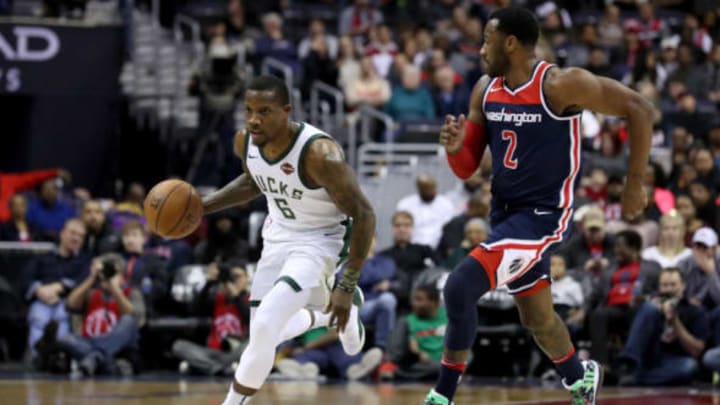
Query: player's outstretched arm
pixel 464 139
pixel 239 191
pixel 575 89
pixel 326 167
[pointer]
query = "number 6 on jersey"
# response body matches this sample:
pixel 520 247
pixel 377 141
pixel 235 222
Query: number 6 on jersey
pixel 510 161
pixel 284 208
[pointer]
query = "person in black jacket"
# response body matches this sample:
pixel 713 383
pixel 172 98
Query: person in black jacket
pixel 588 253
pixel 667 337
pixel 100 237
pixel 224 241
pixel 454 231
pixel 48 280
pixel 17 229
pixel 410 258
pixel 449 97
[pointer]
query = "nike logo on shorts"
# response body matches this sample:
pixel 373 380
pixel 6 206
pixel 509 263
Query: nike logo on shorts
pixel 538 212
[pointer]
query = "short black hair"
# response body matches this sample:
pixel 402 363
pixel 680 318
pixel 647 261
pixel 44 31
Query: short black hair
pixel 519 22
pixel 631 238
pixel 659 174
pixel 271 83
pixel 673 270
pixel 430 291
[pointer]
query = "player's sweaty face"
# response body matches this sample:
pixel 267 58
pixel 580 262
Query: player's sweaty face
pixel 265 116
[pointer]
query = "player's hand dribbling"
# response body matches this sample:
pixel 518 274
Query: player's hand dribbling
pixel 634 199
pixel 452 133
pixel 339 308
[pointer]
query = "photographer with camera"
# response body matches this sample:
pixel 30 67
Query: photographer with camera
pixel 700 270
pixel 225 297
pixel 666 337
pixel 113 313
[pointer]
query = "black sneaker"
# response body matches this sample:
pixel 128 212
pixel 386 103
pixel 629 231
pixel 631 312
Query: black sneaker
pixel 48 341
pixel 46 347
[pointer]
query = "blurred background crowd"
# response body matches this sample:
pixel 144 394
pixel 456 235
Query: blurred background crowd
pixel 94 292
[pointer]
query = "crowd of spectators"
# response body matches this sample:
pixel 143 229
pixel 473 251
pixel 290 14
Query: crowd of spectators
pixel 642 296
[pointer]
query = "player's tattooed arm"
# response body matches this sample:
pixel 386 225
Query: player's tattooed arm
pixel 239 191
pixel 326 167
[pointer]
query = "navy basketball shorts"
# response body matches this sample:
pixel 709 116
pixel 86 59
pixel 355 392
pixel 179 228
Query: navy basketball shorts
pixel 517 251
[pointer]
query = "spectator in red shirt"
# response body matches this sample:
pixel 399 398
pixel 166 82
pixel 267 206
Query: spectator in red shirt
pixel 113 312
pixel 596 189
pixel 226 299
pixel 617 290
pixel 651 27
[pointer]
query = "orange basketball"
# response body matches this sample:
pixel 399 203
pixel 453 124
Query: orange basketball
pixel 173 209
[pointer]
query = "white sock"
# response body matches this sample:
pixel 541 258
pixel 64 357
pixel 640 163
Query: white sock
pixel 234 398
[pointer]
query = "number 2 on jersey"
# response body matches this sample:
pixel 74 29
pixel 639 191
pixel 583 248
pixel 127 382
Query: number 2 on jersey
pixel 510 161
pixel 284 208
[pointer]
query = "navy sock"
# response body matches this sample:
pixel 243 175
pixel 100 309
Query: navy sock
pixel 570 367
pixel 449 378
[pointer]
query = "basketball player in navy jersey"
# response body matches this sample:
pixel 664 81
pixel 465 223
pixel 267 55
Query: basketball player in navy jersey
pixel 528 112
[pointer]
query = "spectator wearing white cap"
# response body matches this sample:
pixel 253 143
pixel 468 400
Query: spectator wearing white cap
pixel 700 271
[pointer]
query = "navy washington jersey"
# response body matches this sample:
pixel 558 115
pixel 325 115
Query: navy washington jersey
pixel 535 153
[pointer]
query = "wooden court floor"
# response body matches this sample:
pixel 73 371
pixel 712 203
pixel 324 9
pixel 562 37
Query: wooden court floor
pixel 64 392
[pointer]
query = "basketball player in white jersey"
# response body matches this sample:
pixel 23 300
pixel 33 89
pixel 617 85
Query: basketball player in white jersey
pixel 313 199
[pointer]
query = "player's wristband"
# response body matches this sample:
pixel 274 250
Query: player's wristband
pixel 346 288
pixel 465 161
pixel 349 280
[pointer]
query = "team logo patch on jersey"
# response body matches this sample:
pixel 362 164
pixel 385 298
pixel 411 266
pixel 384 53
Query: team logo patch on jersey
pixel 287 168
pixel 515 266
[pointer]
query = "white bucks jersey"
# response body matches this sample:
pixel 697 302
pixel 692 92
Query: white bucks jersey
pixel 295 208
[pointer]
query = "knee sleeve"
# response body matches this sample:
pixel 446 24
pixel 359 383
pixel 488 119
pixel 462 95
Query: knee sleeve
pixel 464 287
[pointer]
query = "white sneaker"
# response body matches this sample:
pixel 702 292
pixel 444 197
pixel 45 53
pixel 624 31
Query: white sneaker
pixel 369 362
pixel 353 338
pixel 297 371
